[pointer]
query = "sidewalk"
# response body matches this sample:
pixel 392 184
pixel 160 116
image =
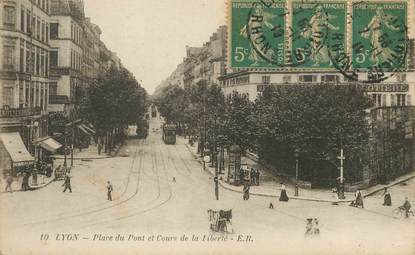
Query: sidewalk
pixel 42 181
pixel 88 153
pixel 270 185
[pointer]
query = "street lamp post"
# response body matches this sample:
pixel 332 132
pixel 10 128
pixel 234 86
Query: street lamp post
pixel 297 154
pixel 341 158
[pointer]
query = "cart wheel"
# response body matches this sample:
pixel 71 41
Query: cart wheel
pixel 397 213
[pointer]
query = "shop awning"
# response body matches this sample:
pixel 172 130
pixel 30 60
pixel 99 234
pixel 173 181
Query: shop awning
pixel 87 130
pixel 50 144
pixel 90 130
pixel 15 147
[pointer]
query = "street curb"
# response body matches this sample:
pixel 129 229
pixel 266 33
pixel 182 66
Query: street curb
pixel 224 185
pixel 390 185
pixel 86 158
pixel 300 198
pixel 31 188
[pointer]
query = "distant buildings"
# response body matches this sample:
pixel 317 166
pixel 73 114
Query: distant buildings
pixel 201 64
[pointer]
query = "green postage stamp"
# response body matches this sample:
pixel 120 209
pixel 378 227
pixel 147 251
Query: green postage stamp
pixel 318 35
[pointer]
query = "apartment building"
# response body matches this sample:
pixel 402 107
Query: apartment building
pixel 24 80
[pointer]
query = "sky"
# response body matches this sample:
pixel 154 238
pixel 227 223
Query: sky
pixel 150 36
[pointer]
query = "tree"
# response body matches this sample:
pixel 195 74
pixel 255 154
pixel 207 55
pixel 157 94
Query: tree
pixel 316 120
pixel 116 100
pixel 239 121
pixel 171 104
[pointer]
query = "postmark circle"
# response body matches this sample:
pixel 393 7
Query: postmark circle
pixel 379 43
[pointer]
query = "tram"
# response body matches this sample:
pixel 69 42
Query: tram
pixel 142 128
pixel 169 133
pixel 153 111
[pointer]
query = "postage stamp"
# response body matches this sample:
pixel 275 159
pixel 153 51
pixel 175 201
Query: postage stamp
pixel 257 33
pixel 350 37
pixel 379 41
pixel 313 22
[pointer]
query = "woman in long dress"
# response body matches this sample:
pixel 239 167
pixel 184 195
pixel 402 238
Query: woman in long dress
pixel 283 195
pixel 387 199
pixel 359 199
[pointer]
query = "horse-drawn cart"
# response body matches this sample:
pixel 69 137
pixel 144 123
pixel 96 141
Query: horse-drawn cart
pixel 220 220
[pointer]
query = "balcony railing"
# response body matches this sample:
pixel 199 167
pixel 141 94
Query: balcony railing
pixel 19 112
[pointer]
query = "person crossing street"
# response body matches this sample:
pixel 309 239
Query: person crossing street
pixel 9 182
pixel 67 184
pixel 109 191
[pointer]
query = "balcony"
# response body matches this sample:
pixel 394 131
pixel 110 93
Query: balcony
pixel 19 112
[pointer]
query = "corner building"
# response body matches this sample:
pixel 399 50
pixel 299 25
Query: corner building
pixel 24 81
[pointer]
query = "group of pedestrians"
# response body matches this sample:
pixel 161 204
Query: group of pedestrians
pixel 255 176
pixel 67 185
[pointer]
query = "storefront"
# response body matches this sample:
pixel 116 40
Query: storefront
pixel 14 156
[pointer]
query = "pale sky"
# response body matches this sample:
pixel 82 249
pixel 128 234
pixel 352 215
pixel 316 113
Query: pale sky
pixel 150 35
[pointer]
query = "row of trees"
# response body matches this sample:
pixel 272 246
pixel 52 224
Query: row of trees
pixel 314 121
pixel 111 103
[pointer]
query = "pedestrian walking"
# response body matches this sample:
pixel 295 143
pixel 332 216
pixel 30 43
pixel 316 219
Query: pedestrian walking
pixel 99 148
pixel 25 181
pixel 387 199
pixel 252 175
pixel 407 207
pixel 359 199
pixel 67 184
pixel 257 173
pixel 246 191
pixel 283 194
pixel 109 191
pixel 9 181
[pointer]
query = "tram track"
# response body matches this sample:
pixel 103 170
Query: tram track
pixel 148 206
pixel 138 154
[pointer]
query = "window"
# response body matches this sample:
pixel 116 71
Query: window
pixel 393 99
pixel 9 15
pixel 27 59
pixel 33 29
pixel 21 95
pixel 53 58
pixel 47 5
pixel 42 64
pixel 22 21
pixel 286 79
pixel 43 32
pixel 378 99
pixel 8 95
pixel 308 78
pixel 28 27
pixel 266 79
pixel 38 30
pixel 47 33
pixel 8 61
pixel 401 99
pixel 54 30
pixel 38 62
pixel 46 64
pixel 329 78
pixel 21 59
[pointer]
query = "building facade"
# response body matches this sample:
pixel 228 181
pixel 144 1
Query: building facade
pixel 49 52
pixel 24 78
pixel 206 63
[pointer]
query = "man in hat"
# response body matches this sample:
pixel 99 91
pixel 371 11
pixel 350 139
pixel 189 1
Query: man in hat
pixel 67 183
pixel 109 191
pixel 9 181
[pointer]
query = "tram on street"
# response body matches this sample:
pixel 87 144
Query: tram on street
pixel 169 133
pixel 142 128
